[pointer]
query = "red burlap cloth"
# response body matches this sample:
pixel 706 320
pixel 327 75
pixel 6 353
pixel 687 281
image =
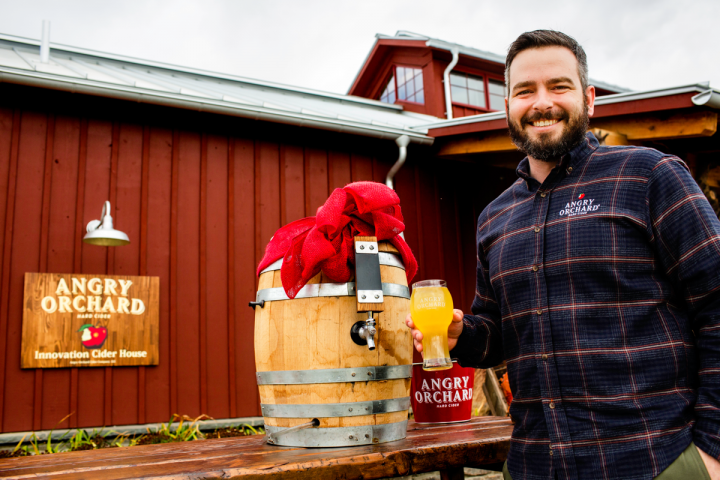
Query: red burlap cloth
pixel 325 242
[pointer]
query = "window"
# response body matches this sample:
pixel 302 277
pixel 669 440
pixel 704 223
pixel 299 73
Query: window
pixel 470 90
pixel 467 89
pixel 406 84
pixel 388 95
pixel 496 92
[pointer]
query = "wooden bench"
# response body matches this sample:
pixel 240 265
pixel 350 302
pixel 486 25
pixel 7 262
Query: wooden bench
pixel 481 442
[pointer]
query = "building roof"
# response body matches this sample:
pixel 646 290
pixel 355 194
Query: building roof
pixel 103 74
pixel 401 35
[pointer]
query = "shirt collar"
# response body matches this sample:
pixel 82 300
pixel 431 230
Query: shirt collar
pixel 575 158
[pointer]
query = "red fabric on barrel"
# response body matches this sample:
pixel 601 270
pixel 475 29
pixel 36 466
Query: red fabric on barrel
pixel 325 242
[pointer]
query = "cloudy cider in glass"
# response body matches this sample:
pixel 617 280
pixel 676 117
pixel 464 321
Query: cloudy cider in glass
pixel 431 307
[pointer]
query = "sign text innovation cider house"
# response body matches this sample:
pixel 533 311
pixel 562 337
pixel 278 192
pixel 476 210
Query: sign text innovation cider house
pixel 76 320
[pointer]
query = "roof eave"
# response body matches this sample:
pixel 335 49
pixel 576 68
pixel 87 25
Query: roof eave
pixel 90 87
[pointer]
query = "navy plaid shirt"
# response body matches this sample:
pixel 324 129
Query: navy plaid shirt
pixel 601 290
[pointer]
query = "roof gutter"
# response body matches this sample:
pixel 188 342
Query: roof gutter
pixel 244 111
pixel 708 98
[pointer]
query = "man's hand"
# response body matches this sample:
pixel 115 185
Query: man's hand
pixel 454 330
pixel 711 464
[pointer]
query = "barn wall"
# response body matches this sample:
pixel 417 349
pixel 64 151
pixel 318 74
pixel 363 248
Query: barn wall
pixel 199 196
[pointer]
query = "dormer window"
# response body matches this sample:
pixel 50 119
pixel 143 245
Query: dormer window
pixel 473 90
pixel 405 84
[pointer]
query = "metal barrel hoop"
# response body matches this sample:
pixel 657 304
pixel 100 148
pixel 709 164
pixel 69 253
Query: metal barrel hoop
pixel 334 375
pixel 308 436
pixel 328 290
pixel 325 410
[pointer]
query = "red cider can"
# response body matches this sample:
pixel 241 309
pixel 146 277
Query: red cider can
pixel 442 396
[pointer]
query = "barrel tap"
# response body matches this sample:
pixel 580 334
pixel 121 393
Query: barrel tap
pixel 369 290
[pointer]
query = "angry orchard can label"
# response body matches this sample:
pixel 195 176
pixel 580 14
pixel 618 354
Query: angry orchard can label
pixel 443 396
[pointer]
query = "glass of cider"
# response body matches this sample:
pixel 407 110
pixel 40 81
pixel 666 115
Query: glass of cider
pixel 431 307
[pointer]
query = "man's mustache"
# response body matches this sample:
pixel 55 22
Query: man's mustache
pixel 545 116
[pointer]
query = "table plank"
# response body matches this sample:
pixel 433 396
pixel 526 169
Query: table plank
pixel 484 440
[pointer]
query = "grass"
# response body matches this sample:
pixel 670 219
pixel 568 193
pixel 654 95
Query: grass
pixel 187 430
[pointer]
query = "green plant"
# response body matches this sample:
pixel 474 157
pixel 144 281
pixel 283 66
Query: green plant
pixel 188 429
pixel 82 440
pixel 234 431
pixel 184 432
pixel 49 446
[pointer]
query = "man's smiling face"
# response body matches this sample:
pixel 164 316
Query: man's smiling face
pixel 547 108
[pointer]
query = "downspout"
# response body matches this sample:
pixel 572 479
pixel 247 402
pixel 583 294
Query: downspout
pixel 402 142
pixel 45 43
pixel 446 81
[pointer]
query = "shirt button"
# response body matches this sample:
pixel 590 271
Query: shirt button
pixel 552 405
pixel 543 194
pixel 544 356
pixel 569 169
pixel 537 229
pixel 534 268
pixel 551 453
pixel 539 312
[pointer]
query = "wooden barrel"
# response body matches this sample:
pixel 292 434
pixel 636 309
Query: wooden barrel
pixel 312 376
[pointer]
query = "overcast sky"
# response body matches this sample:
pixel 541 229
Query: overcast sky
pixel 321 44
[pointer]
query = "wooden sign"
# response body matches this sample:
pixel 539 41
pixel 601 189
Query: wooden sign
pixel 74 320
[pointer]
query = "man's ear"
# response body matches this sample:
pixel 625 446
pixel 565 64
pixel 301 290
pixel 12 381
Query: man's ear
pixel 590 99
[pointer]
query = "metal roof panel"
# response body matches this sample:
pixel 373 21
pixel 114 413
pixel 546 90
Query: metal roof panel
pixel 10 58
pixel 107 75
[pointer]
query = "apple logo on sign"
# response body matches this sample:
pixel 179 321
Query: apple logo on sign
pixel 92 336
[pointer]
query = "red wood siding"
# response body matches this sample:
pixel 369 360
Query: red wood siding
pixel 465 111
pixel 200 196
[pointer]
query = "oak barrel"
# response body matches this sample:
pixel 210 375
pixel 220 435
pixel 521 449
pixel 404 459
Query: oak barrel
pixel 311 374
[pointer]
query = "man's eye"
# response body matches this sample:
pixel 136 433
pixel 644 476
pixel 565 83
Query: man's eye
pixel 522 92
pixel 561 87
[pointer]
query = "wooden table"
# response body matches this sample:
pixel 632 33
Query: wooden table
pixel 480 442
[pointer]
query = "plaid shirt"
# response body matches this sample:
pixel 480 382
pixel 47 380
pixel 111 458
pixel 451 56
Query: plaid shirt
pixel 601 290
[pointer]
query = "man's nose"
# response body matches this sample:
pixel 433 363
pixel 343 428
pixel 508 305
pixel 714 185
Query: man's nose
pixel 543 100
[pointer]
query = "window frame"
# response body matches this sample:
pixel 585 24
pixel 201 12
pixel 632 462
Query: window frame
pixel 486 76
pixel 393 75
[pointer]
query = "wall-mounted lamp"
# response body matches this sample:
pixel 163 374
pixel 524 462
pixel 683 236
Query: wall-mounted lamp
pixel 101 232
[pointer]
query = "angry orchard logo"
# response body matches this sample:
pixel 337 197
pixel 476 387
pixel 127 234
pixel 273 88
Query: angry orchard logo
pixel 581 206
pixel 92 336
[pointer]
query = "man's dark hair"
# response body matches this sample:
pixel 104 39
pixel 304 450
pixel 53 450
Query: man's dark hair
pixel 547 38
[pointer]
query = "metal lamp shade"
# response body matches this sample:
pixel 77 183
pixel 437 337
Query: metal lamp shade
pixel 102 233
pixel 106 238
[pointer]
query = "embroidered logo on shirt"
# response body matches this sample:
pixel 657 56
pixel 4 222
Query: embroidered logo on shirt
pixel 580 207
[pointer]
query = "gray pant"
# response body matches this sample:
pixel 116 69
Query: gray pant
pixel 689 465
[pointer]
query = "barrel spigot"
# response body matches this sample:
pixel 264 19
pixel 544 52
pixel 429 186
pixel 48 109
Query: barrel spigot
pixel 363 332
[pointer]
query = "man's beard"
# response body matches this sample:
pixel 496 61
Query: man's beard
pixel 544 148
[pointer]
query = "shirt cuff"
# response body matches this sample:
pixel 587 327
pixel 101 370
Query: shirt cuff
pixel 466 348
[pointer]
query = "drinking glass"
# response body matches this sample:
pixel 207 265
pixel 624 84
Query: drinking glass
pixel 431 307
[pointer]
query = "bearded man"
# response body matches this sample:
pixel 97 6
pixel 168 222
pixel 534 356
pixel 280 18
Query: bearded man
pixel 598 283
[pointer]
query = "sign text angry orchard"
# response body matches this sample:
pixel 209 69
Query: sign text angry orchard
pixel 73 320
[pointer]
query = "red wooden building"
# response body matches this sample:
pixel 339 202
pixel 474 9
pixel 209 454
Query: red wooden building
pixel 201 169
